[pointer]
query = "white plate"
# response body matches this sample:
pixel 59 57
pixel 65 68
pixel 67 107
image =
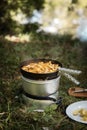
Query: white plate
pixel 75 106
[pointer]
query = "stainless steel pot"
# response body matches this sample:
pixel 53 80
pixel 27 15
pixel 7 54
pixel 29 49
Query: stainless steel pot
pixel 40 88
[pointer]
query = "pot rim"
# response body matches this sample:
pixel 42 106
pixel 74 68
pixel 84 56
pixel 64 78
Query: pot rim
pixel 39 81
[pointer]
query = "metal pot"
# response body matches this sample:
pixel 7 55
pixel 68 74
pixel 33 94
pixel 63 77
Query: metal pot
pixel 40 88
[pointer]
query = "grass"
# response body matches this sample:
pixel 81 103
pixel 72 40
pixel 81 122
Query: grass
pixel 14 114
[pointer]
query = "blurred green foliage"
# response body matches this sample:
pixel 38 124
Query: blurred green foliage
pixel 7 25
pixel 50 11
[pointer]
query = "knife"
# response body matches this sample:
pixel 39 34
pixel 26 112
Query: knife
pixel 81 90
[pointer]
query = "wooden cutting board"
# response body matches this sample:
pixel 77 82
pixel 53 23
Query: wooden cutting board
pixel 80 94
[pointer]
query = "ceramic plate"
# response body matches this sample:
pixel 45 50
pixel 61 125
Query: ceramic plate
pixel 76 106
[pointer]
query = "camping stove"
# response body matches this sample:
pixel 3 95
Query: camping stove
pixel 40 89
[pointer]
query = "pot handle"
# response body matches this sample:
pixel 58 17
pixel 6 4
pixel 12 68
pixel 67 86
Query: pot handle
pixel 71 71
pixel 57 102
pixel 71 78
